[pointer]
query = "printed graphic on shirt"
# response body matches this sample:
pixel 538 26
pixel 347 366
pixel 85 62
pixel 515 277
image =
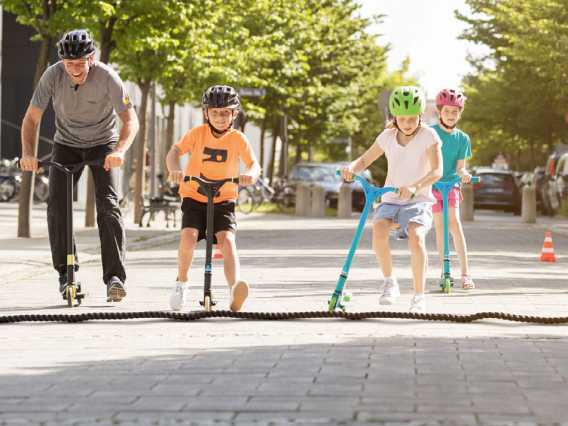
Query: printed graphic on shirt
pixel 215 155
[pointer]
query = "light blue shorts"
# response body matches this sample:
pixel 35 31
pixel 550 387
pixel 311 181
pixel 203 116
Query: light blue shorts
pixel 420 212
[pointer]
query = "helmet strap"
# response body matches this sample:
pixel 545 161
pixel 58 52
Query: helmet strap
pixel 220 132
pixel 415 130
pixel 446 126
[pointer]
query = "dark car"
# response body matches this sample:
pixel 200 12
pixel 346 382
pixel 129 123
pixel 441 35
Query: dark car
pixel 497 190
pixel 324 174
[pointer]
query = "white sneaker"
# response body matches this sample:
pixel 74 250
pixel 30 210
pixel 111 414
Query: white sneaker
pixel 179 295
pixel 418 304
pixel 390 291
pixel 239 293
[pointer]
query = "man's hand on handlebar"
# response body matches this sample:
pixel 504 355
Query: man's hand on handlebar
pixel 29 163
pixel 114 159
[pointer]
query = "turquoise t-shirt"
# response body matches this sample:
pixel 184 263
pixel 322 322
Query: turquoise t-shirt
pixel 455 146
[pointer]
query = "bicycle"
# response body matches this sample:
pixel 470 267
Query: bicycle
pixel 260 192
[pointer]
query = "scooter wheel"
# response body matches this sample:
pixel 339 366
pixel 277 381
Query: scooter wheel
pixel 207 304
pixel 70 296
pixel 447 285
pixel 332 304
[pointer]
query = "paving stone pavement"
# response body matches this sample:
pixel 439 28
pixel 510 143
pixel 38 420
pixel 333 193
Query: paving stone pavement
pixel 297 372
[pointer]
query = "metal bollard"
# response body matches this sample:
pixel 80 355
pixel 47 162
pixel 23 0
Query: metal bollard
pixel 318 201
pixel 528 205
pixel 344 202
pixel 303 195
pixel 467 204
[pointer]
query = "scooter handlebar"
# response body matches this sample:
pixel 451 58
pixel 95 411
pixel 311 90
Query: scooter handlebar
pixel 216 182
pixel 84 163
pixel 364 183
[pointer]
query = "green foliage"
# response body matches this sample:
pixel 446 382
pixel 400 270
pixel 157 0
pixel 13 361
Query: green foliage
pixel 517 100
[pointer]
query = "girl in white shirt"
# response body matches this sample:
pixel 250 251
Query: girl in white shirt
pixel 414 164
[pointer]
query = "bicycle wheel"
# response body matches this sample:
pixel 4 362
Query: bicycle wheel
pixel 245 200
pixel 280 199
pixel 7 189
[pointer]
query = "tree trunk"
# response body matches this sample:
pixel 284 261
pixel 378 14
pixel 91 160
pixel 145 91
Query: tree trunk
pixel 262 132
pixel 90 205
pixel 27 185
pixel 271 166
pixel 533 162
pixel 519 167
pixel 298 157
pixel 170 130
pixel 107 43
pixel 141 149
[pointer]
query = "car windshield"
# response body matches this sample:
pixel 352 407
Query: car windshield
pixel 497 178
pixel 315 174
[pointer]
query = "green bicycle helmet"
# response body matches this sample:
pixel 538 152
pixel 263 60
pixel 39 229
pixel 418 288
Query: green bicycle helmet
pixel 407 100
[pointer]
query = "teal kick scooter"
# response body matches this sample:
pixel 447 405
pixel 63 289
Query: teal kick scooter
pixel 445 188
pixel 339 298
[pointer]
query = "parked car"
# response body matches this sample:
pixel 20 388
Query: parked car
pixel 550 191
pixel 497 190
pixel 324 174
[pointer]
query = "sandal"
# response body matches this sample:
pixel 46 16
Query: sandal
pixel 467 282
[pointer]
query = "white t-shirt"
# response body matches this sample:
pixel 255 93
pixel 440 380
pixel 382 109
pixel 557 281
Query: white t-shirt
pixel 407 164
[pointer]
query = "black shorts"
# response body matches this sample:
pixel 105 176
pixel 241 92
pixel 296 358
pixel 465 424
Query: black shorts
pixel 195 216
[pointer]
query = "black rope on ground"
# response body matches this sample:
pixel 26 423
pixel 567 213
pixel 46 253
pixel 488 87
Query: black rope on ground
pixel 272 316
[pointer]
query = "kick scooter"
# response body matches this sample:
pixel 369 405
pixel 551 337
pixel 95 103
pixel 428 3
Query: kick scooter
pixel 339 299
pixel 211 189
pixel 445 188
pixel 73 290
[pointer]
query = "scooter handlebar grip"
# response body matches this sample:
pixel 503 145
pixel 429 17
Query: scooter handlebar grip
pixel 412 197
pixel 475 179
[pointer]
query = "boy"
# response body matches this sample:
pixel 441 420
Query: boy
pixel 215 151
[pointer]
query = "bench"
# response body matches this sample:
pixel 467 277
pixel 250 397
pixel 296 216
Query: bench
pixel 152 206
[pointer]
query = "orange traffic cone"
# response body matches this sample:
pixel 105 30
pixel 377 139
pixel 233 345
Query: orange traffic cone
pixel 217 253
pixel 547 250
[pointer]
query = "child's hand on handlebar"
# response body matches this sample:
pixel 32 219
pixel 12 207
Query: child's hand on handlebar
pixel 177 177
pixel 406 192
pixel 347 173
pixel 245 180
pixel 466 177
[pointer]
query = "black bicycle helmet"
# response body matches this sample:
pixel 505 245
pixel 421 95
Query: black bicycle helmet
pixel 221 97
pixel 76 44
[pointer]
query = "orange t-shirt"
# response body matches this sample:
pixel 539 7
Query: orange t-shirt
pixel 213 159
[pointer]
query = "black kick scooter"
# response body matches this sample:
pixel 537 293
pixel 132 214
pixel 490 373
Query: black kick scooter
pixel 211 189
pixel 73 289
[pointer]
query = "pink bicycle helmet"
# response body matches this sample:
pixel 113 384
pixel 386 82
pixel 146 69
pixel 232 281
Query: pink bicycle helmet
pixel 451 97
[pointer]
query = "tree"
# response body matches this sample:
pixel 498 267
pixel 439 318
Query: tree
pixel 513 104
pixel 45 17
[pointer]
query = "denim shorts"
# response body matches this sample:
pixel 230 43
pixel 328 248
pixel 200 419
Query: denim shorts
pixel 420 212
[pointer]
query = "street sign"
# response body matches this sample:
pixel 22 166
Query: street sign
pixel 252 92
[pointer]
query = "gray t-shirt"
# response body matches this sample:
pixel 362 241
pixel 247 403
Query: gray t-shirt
pixel 84 117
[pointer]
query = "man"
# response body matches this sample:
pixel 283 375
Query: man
pixel 85 95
